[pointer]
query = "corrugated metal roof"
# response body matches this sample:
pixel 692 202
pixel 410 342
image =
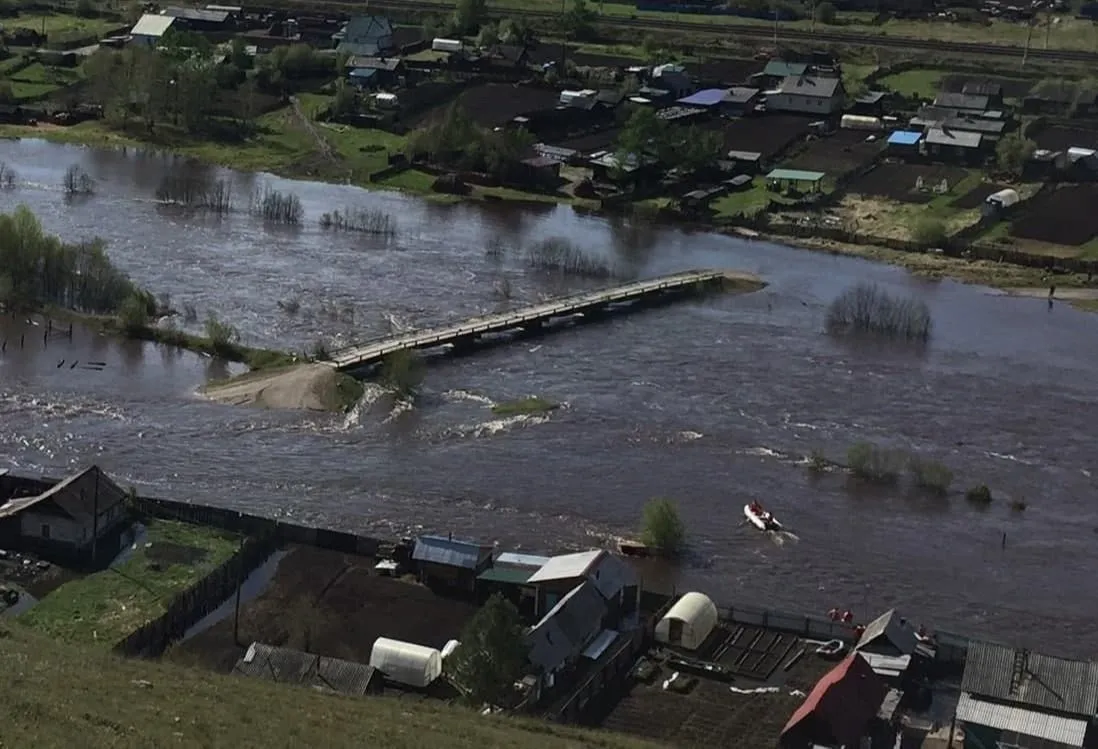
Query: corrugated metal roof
pixel 810 85
pixel 961 101
pixel 707 97
pixel 567 628
pixel 887 630
pixel 783 69
pixel 152 25
pixel 295 667
pixel 846 699
pixel 942 137
pixel 567 566
pixel 505 574
pixel 1070 731
pixel 1041 680
pixel 439 550
pixel 523 560
pixel 796 175
pixel 887 665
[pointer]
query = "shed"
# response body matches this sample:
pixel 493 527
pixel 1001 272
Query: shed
pixel 840 708
pixel 508 575
pixel 1002 199
pixel 740 100
pixel 904 139
pixel 1021 677
pixel 780 177
pixel 940 141
pixel 150 29
pixel 405 662
pixel 688 623
pixel 783 69
pixel 442 559
pixel 306 669
pixel 615 580
pixel 888 634
pixel 994 722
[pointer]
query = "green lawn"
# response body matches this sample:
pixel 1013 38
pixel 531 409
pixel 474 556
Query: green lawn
pixel 745 202
pixel 61 23
pixel 919 82
pixel 104 608
pixel 58 696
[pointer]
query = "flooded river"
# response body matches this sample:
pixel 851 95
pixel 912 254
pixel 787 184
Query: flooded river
pixel 713 402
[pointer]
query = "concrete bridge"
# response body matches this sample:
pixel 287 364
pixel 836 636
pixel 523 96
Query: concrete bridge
pixel 535 318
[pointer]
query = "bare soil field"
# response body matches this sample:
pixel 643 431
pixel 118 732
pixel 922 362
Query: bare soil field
pixel 768 135
pixel 975 197
pixel 546 52
pixel 1013 88
pixel 837 154
pixel 726 71
pixel 1065 217
pixel 897 181
pixel 709 714
pixel 331 604
pixel 1059 138
pixel 603 140
pixel 495 104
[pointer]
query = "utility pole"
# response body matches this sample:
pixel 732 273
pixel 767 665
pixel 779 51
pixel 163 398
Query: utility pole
pixel 1025 50
pixel 1048 27
pixel 239 585
pixel 775 10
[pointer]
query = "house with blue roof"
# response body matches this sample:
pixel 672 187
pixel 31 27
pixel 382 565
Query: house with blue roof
pixel 443 561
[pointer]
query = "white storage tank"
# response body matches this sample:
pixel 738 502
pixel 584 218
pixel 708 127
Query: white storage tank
pixel 447 45
pixel 405 662
pixel 861 122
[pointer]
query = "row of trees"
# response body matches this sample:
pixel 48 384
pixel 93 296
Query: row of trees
pixel 37 268
pixel 455 140
pixel 688 148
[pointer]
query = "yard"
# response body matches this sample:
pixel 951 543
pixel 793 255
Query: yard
pixel 837 154
pixel 899 182
pixel 921 83
pixel 334 605
pixel 63 24
pixel 105 607
pixel 37 81
pixel 768 135
pixel 1064 217
pixel 1060 138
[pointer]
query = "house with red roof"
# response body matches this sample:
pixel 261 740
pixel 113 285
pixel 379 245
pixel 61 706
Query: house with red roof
pixel 840 710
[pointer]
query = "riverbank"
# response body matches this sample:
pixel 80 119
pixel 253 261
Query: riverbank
pixel 304 387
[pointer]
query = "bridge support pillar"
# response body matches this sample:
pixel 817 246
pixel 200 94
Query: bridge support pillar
pixel 465 344
pixel 532 328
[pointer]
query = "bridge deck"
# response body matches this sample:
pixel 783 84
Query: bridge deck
pixel 371 352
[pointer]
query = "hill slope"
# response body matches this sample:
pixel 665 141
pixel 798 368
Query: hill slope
pixel 59 695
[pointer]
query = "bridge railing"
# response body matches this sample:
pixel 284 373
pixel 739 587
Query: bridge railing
pixel 378 347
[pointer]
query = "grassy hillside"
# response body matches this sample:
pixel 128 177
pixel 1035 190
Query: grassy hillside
pixel 60 695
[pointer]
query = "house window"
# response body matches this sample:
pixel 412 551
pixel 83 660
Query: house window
pixel 45 531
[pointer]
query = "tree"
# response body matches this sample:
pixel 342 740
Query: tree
pixel 222 335
pixel 577 22
pixel 515 31
pixel 491 655
pixel 134 314
pixel 825 13
pixel 641 133
pixel 488 36
pixel 402 372
pixel 930 232
pixel 1013 152
pixel 663 527
pixel 468 15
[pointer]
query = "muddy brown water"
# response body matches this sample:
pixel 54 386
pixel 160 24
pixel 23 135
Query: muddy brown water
pixel 711 402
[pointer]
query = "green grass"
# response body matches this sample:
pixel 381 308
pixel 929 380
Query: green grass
pixel 918 82
pixel 530 405
pixel 58 696
pixel 62 23
pixel 107 606
pixel 745 202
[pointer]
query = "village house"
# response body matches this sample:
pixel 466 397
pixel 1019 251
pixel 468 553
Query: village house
pixel 954 146
pixel 509 576
pixel 673 78
pixel 777 71
pixel 1014 697
pixel 975 103
pixel 992 90
pixel 740 101
pixel 611 576
pixel 840 710
pixel 808 94
pixel 560 638
pixel 150 29
pixel 202 20
pixel 889 645
pixel 365 36
pixel 374 72
pixel 445 562
pixel 79 520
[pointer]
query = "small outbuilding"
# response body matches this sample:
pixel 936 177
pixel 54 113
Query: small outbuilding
pixel 689 622
pixel 799 178
pixel 888 634
pixel 307 669
pixel 150 29
pixel 405 662
pixel 840 709
pixel 905 142
pixel 442 560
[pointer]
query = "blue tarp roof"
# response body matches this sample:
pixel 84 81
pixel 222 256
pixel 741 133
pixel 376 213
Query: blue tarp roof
pixel 904 138
pixel 707 97
pixel 439 550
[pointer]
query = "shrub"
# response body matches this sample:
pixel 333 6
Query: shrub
pixel 277 207
pixel 825 13
pixel 979 495
pixel 402 372
pixel 930 474
pixel 491 655
pixel 366 220
pixel 1018 505
pixel 561 255
pixel 663 528
pixel 222 335
pixel 865 308
pixel 817 461
pixel 77 181
pixel 874 463
pixel 133 315
pixel 930 232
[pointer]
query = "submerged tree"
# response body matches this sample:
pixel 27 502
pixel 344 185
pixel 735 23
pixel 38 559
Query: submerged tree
pixel 866 308
pixel 491 655
pixel 663 528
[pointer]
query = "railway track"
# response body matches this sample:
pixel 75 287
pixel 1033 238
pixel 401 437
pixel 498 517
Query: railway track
pixel 744 31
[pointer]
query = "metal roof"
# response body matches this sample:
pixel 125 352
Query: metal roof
pixel 962 101
pixel 740 94
pixel 505 574
pixel 606 638
pixel 194 14
pixel 887 665
pixel 1069 731
pixel 904 138
pixel 567 566
pixel 810 85
pixel 514 559
pixel 567 628
pixel 1025 678
pixel 845 700
pixel 152 25
pixel 295 667
pixel 796 175
pixel 440 550
pixel 938 136
pixel 781 68
pixel 744 155
pixel 886 629
pixel 68 498
pixel 707 97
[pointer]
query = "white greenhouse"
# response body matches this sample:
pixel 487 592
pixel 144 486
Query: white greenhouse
pixel 405 662
pixel 688 622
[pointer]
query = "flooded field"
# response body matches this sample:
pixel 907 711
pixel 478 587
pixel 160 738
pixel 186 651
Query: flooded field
pixel 712 402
